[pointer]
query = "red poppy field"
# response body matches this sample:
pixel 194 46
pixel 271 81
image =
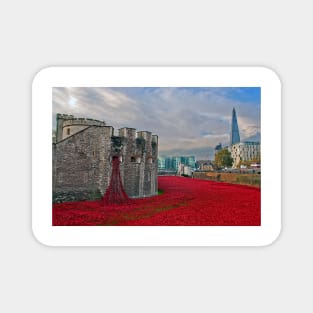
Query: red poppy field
pixel 182 202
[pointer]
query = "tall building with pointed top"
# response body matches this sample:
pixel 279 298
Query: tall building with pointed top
pixel 234 132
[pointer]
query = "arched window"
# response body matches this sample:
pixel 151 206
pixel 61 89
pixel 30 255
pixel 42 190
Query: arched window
pixel 68 131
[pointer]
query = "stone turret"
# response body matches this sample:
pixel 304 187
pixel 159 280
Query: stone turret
pixel 68 125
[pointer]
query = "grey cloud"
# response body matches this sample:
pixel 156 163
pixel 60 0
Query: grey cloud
pixel 182 118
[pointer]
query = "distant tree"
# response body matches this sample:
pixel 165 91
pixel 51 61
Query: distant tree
pixel 223 158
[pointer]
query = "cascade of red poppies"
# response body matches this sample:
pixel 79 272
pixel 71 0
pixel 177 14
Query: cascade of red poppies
pixel 115 194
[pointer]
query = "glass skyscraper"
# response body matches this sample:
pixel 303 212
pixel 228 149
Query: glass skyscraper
pixel 234 133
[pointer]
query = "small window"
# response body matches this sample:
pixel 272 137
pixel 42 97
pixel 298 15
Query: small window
pixel 68 131
pixel 135 159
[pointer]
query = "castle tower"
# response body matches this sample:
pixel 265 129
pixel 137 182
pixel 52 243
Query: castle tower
pixel 234 132
pixel 60 123
pixel 88 160
pixel 68 125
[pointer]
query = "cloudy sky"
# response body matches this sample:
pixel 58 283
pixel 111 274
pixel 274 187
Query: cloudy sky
pixel 189 121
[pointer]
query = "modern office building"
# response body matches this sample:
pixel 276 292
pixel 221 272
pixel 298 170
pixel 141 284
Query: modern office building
pixel 188 161
pixel 245 152
pixel 218 148
pixel 161 163
pixel 165 163
pixel 176 160
pixel 172 163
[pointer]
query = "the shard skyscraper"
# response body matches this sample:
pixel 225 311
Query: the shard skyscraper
pixel 234 132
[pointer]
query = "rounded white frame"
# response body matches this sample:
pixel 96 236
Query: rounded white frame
pixel 51 77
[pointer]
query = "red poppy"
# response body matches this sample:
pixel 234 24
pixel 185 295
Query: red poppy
pixel 183 202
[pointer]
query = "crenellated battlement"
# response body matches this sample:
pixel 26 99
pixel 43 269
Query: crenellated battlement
pixel 64 116
pixel 83 156
pixel 127 132
pixel 144 134
pixel 83 122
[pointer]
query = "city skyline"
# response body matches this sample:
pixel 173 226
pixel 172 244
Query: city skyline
pixel 188 121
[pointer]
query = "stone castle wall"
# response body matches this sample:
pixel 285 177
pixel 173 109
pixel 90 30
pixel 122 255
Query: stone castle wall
pixel 82 162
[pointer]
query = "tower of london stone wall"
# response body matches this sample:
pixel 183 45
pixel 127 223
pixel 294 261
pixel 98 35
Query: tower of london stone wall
pixel 82 159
